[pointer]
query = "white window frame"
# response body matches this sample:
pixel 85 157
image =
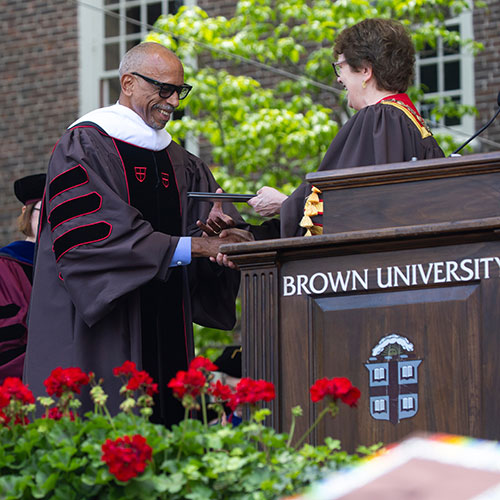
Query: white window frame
pixel 467 89
pixel 94 91
pixel 91 53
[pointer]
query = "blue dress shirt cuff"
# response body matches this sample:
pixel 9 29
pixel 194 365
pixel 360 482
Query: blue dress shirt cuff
pixel 182 254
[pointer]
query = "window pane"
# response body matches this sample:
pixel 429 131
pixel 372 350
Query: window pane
pixel 425 110
pixel 427 51
pixel 132 43
pixel 112 25
pixel 110 91
pixel 428 78
pixel 112 56
pixel 452 75
pixel 451 48
pixel 133 13
pixel 450 121
pixel 174 6
pixel 114 90
pixel 154 12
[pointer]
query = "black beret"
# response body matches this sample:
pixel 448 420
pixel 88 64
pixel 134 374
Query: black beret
pixel 229 361
pixel 29 189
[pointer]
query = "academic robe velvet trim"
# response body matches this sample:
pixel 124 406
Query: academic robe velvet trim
pixel 76 207
pixel 82 235
pixel 71 178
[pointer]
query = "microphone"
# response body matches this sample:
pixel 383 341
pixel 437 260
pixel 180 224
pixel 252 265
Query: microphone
pixel 481 129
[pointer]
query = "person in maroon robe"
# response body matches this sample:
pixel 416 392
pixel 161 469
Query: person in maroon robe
pixel 16 270
pixel 121 269
pixel 374 61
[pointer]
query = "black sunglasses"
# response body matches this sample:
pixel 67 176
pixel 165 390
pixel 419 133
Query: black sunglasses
pixel 165 90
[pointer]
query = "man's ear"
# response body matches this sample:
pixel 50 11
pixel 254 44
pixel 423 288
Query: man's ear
pixel 127 82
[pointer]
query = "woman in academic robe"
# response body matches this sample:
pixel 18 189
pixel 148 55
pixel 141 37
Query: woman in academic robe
pixel 374 60
pixel 16 272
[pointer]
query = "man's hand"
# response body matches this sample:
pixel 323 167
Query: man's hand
pixel 209 246
pixel 231 236
pixel 217 220
pixel 267 202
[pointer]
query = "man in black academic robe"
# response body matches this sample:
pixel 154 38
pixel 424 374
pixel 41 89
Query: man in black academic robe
pixel 117 275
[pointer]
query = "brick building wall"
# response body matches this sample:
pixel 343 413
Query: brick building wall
pixel 487 69
pixel 38 91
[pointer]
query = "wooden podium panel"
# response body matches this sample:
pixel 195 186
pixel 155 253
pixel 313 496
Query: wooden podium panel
pixel 345 330
pixel 410 193
pixel 409 313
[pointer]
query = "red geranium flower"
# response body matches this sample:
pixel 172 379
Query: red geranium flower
pixel 337 387
pixel 136 379
pixel 252 391
pixel 221 391
pixel 56 414
pixel 128 368
pixel 4 398
pixel 18 419
pixel 201 362
pixel 13 387
pixel 320 389
pixel 351 397
pixel 21 420
pixel 190 382
pixel 126 457
pixel 65 379
pixel 142 380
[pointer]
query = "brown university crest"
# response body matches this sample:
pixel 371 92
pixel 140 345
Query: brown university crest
pixel 140 173
pixel 164 179
pixel 393 372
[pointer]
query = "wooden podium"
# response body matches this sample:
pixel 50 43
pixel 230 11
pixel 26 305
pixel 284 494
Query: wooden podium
pixel 401 295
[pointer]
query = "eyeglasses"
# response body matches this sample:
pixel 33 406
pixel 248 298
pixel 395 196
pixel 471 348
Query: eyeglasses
pixel 338 65
pixel 165 90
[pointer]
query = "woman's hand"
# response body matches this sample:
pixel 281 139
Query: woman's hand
pixel 268 201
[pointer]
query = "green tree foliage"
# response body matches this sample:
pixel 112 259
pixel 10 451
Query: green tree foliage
pixel 265 131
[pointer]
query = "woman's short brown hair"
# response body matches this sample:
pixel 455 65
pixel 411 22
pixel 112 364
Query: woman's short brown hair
pixel 24 220
pixel 385 45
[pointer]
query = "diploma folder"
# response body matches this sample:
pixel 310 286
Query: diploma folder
pixel 234 198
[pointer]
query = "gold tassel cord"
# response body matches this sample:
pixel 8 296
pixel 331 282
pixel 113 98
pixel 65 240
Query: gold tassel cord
pixel 312 207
